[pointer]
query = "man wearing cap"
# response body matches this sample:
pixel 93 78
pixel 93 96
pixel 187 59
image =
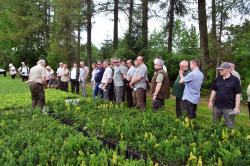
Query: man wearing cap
pixel 24 72
pixel 37 82
pixel 160 87
pixel 225 96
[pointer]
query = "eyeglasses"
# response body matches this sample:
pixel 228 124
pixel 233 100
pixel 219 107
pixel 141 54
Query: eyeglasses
pixel 98 64
pixel 116 62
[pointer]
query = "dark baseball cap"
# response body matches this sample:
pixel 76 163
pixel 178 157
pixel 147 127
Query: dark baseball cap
pixel 224 65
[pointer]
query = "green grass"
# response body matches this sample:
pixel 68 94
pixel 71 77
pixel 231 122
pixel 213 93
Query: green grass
pixel 15 93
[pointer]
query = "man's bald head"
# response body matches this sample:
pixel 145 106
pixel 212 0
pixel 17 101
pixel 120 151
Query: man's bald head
pixel 139 60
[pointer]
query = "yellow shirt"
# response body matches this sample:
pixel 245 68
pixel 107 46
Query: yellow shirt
pixel 37 74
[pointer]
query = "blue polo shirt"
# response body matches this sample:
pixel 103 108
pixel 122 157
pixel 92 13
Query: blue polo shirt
pixel 226 91
pixel 193 82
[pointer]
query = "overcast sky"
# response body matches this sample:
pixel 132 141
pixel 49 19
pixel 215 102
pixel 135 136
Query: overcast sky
pixel 102 27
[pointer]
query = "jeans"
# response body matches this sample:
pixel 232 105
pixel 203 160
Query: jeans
pixel 83 86
pixel 119 93
pixel 98 90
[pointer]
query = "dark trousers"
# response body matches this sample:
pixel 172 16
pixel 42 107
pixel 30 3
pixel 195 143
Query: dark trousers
pixel 178 106
pixel 141 98
pixel 74 86
pixel 111 92
pixel 158 104
pixel 65 86
pixel 60 83
pixel 106 93
pixel 129 96
pixel 248 104
pixel 97 90
pixel 25 78
pixel 37 95
pixel 13 76
pixel 189 108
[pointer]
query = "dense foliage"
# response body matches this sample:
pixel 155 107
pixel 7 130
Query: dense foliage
pixel 158 135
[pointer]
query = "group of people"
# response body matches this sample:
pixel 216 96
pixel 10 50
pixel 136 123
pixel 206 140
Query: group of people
pixel 23 70
pixel 120 81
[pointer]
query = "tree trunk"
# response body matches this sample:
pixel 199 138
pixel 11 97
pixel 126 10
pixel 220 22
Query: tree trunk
pixel 203 34
pixel 89 31
pixel 171 26
pixel 78 39
pixel 213 30
pixel 130 22
pixel 115 36
pixel 145 23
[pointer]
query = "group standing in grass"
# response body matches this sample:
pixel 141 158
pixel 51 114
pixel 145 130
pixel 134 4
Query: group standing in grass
pixel 121 81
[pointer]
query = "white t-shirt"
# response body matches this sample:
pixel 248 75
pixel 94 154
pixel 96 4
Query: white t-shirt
pixel 59 71
pixel 73 74
pixel 107 75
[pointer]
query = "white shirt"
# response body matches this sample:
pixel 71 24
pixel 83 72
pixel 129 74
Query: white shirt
pixel 12 70
pixel 93 75
pixel 59 71
pixel 24 70
pixel 107 75
pixel 73 74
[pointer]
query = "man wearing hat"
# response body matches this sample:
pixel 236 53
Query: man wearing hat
pixel 225 96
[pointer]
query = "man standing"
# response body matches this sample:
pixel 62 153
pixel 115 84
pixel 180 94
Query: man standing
pixel 37 80
pixel 106 80
pixel 179 88
pixel 24 72
pixel 84 72
pixel 160 86
pixel 98 78
pixel 225 95
pixel 129 90
pixel 193 82
pixel 74 78
pixel 234 72
pixel 119 74
pixel 59 74
pixel 139 83
pixel 65 78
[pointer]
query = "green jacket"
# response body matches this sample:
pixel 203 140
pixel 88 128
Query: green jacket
pixel 177 87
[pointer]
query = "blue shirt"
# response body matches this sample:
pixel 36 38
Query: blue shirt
pixel 99 74
pixel 193 82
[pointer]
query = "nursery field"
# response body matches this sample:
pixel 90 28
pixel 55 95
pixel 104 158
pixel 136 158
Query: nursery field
pixel 90 132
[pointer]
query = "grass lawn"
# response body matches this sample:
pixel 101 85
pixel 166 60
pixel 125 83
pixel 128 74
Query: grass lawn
pixel 14 93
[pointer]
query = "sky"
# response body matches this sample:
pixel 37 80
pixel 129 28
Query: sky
pixel 102 26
